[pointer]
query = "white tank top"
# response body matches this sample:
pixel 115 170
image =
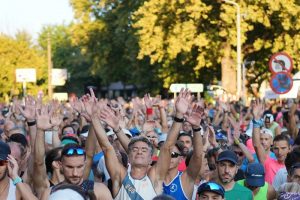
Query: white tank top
pixel 11 191
pixel 143 187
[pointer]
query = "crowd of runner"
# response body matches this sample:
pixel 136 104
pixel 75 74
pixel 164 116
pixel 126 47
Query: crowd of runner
pixel 149 148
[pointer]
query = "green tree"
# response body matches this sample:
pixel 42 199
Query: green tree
pixel 105 32
pixel 16 53
pixel 67 55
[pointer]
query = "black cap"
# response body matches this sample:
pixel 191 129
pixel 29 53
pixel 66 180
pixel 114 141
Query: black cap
pixel 228 155
pixel 4 150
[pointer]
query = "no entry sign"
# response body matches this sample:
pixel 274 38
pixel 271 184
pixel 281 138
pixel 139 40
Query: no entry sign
pixel 280 62
pixel 281 82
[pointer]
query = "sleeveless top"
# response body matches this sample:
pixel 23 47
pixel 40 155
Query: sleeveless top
pixel 11 191
pixel 174 188
pixel 261 194
pixel 143 187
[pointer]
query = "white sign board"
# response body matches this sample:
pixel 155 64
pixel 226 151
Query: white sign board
pixel 60 96
pixel 26 75
pixel 269 94
pixel 59 76
pixel 193 87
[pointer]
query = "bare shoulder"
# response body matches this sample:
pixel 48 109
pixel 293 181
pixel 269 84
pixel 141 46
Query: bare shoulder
pixel 102 192
pixel 46 194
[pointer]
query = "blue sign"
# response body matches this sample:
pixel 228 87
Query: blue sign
pixel 281 83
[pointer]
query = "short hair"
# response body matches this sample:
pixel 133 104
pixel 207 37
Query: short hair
pixel 52 155
pixel 140 139
pixel 282 137
pixel 292 158
pixel 185 134
pixel 297 140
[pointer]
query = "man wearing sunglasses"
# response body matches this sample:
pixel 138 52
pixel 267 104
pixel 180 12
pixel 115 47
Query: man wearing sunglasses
pixel 73 162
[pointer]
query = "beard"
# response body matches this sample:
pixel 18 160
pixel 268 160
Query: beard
pixel 228 179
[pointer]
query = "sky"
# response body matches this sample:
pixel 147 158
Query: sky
pixel 32 15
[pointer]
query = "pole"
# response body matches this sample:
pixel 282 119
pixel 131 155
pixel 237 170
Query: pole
pixel 50 91
pixel 24 88
pixel 244 83
pixel 238 47
pixel 238 27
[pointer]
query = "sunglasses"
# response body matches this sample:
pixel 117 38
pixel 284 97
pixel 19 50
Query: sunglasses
pixel 175 154
pixel 73 151
pixel 3 162
pixel 239 153
pixel 210 186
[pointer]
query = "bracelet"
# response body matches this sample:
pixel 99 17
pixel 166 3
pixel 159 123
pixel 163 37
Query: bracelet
pixel 31 123
pixel 17 180
pixel 149 111
pixel 257 123
pixel 196 129
pixel 118 130
pixel 179 120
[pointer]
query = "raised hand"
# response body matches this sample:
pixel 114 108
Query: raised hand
pixel 13 167
pixel 236 126
pixel 257 110
pixel 107 115
pixel 183 101
pixel 89 102
pixel 29 111
pixel 195 116
pixel 212 136
pixel 43 118
pixel 148 101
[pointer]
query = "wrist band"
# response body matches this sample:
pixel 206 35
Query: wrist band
pixel 179 120
pixel 149 111
pixel 196 129
pixel 17 180
pixel 31 123
pixel 257 123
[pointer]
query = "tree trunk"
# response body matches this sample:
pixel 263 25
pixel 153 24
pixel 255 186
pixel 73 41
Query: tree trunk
pixel 228 71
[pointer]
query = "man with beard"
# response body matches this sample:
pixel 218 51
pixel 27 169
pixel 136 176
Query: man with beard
pixel 227 169
pixel 11 185
pixel 73 162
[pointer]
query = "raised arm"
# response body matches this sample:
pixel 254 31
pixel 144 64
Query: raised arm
pixel 159 171
pixel 23 190
pixel 40 178
pixel 190 175
pixel 90 147
pixel 108 116
pixel 116 171
pixel 292 125
pixel 259 149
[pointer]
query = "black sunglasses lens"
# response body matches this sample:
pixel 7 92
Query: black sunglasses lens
pixel 174 155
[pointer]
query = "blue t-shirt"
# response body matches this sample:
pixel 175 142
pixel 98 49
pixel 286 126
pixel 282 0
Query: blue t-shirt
pixel 246 161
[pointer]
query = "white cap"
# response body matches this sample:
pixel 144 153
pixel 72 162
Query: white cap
pixel 266 131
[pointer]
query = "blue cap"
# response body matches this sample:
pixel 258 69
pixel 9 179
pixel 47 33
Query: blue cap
pixel 220 135
pixel 211 187
pixel 228 156
pixel 255 175
pixel 4 150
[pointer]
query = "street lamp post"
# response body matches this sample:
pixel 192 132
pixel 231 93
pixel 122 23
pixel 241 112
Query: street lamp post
pixel 238 45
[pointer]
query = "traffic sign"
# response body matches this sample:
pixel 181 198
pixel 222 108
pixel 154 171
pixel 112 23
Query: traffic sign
pixel 281 82
pixel 193 87
pixel 280 62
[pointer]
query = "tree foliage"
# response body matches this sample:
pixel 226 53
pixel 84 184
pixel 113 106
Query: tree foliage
pixel 15 53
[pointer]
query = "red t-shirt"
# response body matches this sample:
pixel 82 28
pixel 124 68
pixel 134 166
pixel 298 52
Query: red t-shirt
pixel 182 166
